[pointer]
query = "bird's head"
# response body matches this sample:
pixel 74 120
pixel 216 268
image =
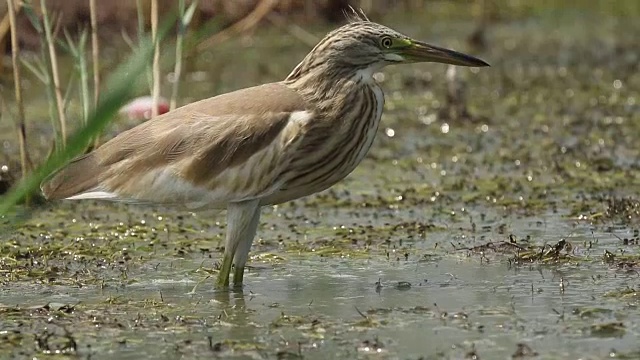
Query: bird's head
pixel 365 45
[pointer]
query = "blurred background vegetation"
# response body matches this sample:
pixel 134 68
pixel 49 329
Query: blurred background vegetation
pixel 64 51
pixel 115 16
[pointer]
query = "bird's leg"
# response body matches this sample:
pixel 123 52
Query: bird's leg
pixel 242 252
pixel 240 222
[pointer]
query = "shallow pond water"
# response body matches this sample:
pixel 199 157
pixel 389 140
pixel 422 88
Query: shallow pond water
pixel 509 230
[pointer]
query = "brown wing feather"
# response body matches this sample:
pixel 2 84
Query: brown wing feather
pixel 209 136
pixel 230 143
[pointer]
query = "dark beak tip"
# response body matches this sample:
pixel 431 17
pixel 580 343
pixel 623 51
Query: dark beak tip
pixel 479 63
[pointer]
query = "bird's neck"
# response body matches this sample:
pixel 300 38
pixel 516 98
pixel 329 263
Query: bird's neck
pixel 323 83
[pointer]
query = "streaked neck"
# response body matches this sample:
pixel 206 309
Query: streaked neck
pixel 325 83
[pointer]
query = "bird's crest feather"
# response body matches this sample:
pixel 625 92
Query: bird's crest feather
pixel 355 15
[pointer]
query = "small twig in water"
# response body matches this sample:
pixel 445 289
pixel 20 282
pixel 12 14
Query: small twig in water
pixel 193 291
pixel 361 314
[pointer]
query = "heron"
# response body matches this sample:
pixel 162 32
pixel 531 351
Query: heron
pixel 258 146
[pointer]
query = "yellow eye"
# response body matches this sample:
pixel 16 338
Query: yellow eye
pixel 386 42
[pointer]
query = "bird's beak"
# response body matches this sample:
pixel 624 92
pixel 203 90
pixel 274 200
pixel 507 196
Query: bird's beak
pixel 422 52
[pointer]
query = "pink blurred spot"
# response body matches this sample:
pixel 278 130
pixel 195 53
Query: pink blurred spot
pixel 140 107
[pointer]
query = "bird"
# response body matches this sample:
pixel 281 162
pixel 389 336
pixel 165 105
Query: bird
pixel 258 146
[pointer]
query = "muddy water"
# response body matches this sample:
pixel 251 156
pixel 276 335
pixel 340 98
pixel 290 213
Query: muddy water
pixel 402 296
pixel 509 231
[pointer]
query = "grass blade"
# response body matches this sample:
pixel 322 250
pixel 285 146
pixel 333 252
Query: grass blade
pixel 117 91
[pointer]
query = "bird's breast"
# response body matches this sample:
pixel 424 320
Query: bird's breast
pixel 373 123
pixel 333 150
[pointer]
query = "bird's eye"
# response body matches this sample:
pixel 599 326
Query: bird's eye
pixel 386 42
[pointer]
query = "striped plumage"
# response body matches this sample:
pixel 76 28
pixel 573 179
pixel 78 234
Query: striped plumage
pixel 337 140
pixel 339 137
pixel 257 146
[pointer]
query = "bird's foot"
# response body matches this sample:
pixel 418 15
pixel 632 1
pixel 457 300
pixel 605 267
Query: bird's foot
pixel 238 275
pixel 225 270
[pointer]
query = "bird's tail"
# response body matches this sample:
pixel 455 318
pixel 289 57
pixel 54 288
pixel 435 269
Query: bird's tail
pixel 79 176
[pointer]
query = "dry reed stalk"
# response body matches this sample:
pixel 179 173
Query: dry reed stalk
pixel 54 72
pixel 185 17
pixel 156 58
pixel 95 56
pixel 177 70
pixel 25 161
pixel 4 31
pixel 95 52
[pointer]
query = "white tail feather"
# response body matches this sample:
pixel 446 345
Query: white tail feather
pixel 94 195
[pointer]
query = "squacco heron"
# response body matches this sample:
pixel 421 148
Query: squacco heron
pixel 257 146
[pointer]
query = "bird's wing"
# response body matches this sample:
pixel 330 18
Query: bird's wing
pixel 227 148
